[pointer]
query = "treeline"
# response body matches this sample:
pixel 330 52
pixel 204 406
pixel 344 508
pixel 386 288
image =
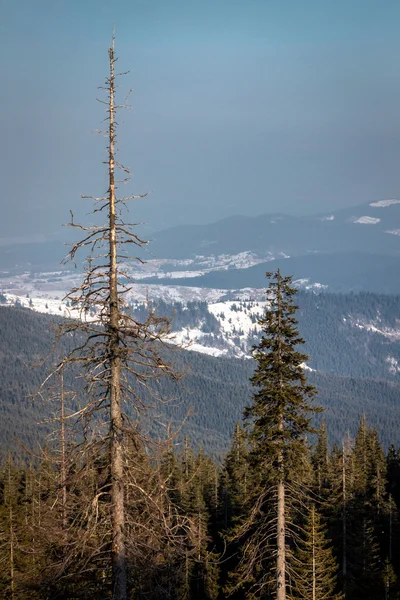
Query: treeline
pixel 184 513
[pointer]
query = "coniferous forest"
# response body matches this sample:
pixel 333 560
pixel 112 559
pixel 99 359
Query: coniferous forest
pixel 118 504
pixel 277 518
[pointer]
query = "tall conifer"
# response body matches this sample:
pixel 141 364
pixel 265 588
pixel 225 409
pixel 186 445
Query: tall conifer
pixel 279 421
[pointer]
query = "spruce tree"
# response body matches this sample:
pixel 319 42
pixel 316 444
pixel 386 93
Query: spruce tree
pixel 315 568
pixel 233 489
pixel 320 460
pixel 278 421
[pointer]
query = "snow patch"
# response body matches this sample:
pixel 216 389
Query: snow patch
pixel 393 363
pixel 305 367
pixel 367 220
pixel 387 332
pixel 305 284
pixel 383 203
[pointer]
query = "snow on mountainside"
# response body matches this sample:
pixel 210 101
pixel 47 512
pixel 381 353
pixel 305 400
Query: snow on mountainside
pixel 347 334
pixel 322 253
pixel 383 203
pixel 367 220
pixel 391 333
pixel 237 320
pixel 225 323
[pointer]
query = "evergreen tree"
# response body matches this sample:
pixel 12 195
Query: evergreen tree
pixel 320 461
pixel 314 569
pixel 279 421
pixel 233 490
pixel 365 580
pixel 392 591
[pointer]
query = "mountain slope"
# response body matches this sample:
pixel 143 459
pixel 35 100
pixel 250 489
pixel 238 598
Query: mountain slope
pixel 348 230
pixel 216 388
pixel 374 226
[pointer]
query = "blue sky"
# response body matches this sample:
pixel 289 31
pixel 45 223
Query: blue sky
pixel 238 107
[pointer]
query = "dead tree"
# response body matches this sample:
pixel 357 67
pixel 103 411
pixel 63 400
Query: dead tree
pixel 119 355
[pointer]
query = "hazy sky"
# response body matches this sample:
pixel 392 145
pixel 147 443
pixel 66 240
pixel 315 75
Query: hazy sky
pixel 239 106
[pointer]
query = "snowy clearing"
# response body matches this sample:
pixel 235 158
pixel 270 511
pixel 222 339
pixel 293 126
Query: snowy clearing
pixel 367 220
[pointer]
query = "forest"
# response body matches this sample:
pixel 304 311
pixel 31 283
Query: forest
pixel 120 502
pixel 184 515
pixel 201 526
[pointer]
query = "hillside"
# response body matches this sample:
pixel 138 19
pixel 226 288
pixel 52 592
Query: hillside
pixel 374 226
pixel 215 389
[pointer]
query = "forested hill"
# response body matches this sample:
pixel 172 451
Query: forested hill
pixel 215 388
pixel 346 334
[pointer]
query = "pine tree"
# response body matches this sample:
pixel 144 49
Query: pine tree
pixel 392 591
pixel 201 568
pixel 234 481
pixel 314 567
pixel 320 460
pixel 279 421
pixel 364 571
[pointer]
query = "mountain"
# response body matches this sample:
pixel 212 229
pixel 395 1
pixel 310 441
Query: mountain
pixel 216 388
pixel 374 226
pixel 355 335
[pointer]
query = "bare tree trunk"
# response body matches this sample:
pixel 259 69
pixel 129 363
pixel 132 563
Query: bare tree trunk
pixel 281 549
pixel 12 585
pixel 11 531
pixel 344 521
pixel 314 570
pixel 281 525
pixel 63 469
pixel 117 351
pixel 119 579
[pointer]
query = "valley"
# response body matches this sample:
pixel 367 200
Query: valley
pixel 349 307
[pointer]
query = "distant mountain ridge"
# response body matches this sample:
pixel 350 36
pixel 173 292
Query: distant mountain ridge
pixel 347 230
pixel 352 249
pixel 356 229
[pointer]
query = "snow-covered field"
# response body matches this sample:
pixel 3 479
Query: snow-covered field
pixel 197 266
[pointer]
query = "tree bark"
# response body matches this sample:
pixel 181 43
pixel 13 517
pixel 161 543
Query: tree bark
pixel 281 550
pixel 314 574
pixel 11 531
pixel 281 525
pixel 344 522
pixel 119 577
pixel 63 467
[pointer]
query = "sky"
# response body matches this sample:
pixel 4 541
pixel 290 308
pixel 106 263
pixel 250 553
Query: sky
pixel 238 107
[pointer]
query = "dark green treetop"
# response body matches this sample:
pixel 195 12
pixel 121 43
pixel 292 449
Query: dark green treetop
pixel 282 403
